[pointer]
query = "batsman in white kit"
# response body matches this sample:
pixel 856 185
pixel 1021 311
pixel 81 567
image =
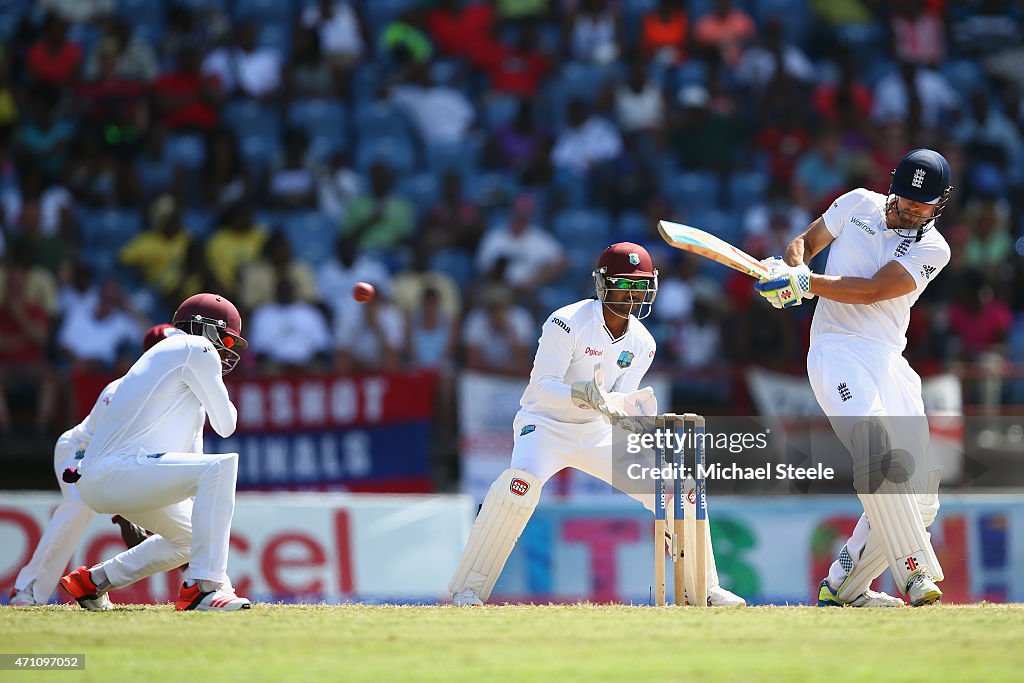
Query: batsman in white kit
pixel 37 580
pixel 145 462
pixel 884 250
pixel 591 358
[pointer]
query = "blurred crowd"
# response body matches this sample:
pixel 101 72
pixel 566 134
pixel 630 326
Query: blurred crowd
pixel 471 160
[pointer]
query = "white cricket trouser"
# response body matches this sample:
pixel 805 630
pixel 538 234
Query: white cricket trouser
pixel 154 493
pixel 62 534
pixel 552 446
pixel 877 382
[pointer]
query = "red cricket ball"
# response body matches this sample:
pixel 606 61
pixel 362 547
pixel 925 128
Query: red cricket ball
pixel 363 292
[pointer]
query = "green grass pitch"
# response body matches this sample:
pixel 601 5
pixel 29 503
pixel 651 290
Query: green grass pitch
pixel 519 643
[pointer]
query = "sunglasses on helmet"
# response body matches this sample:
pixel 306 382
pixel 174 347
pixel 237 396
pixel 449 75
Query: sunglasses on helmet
pixel 626 284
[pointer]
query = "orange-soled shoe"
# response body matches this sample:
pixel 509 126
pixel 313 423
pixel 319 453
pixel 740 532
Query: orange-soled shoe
pixel 191 598
pixel 80 586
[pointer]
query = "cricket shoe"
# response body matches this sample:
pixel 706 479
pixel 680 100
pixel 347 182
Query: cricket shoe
pixel 921 588
pixel 467 598
pixel 23 598
pixel 719 597
pixel 220 600
pixel 80 586
pixel 869 598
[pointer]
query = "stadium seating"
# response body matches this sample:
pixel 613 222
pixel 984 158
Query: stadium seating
pixel 104 232
pixel 187 150
pixel 632 226
pixel 323 121
pixel 264 11
pixel 576 81
pixel 454 262
pixel 11 12
pixel 366 80
pixel 462 156
pixel 695 190
pixel 746 188
pixel 379 13
pixel 584 226
pixel 199 222
pixel 395 151
pixel 489 189
pixel 499 109
pixel 380 119
pixel 311 234
pixel 422 189
pixel 257 128
pixel 795 16
pixel 146 18
pixel 275 37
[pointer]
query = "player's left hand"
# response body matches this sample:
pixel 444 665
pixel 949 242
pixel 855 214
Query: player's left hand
pixel 592 394
pixel 785 286
pixel 637 411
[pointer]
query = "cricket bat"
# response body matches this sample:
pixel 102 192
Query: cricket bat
pixel 705 244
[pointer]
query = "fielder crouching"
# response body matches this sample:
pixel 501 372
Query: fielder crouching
pixel 586 376
pixel 145 462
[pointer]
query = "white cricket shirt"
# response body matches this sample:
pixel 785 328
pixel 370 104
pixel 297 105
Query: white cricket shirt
pixel 79 436
pixel 162 402
pixel 572 341
pixel 861 247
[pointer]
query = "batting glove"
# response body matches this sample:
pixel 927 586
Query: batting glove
pixel 785 286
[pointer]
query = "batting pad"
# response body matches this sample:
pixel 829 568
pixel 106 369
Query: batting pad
pixel 872 560
pixel 507 508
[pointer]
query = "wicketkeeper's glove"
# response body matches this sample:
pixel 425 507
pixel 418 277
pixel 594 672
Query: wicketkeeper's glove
pixel 592 395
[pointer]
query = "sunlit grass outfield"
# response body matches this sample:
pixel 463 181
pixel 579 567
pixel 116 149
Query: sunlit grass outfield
pixel 522 644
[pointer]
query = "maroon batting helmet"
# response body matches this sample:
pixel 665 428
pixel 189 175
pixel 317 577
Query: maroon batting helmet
pixel 627 266
pixel 155 334
pixel 214 317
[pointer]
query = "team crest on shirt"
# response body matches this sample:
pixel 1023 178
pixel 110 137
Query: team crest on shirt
pixel 625 359
pixel 528 429
pixel 634 258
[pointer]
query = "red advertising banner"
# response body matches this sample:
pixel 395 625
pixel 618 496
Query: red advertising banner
pixel 303 403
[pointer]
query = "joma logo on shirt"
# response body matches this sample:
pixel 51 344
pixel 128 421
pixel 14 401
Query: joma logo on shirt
pixel 862 225
pixel 561 324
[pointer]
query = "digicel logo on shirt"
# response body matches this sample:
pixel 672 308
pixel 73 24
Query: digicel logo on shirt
pixel 594 352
